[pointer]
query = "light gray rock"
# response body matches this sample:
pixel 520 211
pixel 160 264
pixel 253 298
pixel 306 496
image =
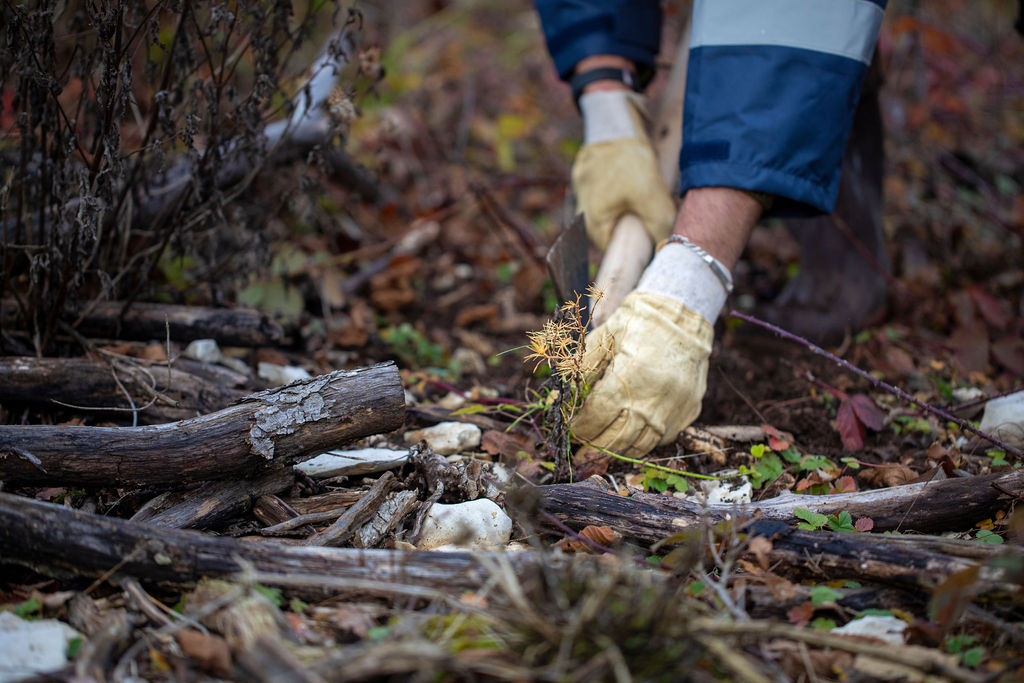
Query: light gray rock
pixel 1004 419
pixel 477 524
pixel 280 375
pixel 203 350
pixel 447 438
pixel 32 647
pixel 348 463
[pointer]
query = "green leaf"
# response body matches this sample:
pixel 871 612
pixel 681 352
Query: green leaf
pixel 823 624
pixel 677 482
pixel 766 470
pixel 272 594
pixel 956 644
pixel 296 605
pixel 850 462
pixel 841 522
pixel 695 588
pixel 757 450
pixel 823 594
pixel 791 455
pixel 74 645
pixel 973 657
pixel 873 612
pixel 988 536
pixel 471 409
pixel 815 462
pixel 814 520
pixel 30 609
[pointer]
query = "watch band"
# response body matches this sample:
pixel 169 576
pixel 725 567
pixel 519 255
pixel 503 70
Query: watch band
pixel 604 73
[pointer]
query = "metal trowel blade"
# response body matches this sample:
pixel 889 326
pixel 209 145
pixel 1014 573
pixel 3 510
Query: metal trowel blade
pixel 567 261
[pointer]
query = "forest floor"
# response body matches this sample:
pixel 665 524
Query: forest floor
pixel 469 137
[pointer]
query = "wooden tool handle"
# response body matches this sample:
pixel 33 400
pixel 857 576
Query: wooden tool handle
pixel 628 253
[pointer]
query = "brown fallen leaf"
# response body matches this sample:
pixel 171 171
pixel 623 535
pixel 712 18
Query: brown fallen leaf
pixel 781 588
pixel 210 651
pixel 888 474
pixel 589 461
pixel 506 444
pixel 154 352
pixel 761 547
pixel 601 535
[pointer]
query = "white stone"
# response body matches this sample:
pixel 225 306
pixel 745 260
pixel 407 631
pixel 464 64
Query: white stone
pixel 1004 419
pixel 477 524
pixel 203 350
pixel 359 461
pixel 736 491
pixel 448 438
pixel 236 364
pixel 28 648
pixel 496 480
pixel 452 401
pixel 468 361
pixel 280 375
pixel 887 629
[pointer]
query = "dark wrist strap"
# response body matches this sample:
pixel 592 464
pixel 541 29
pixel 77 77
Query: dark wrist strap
pixel 604 73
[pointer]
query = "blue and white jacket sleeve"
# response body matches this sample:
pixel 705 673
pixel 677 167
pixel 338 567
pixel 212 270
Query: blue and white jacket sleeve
pixel 574 29
pixel 771 90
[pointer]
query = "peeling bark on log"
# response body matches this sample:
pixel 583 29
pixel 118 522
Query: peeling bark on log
pixel 911 561
pixel 91 384
pixel 278 426
pixel 213 502
pixel 388 516
pixel 60 541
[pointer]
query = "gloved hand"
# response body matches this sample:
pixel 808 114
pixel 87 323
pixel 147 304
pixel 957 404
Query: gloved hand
pixel 647 369
pixel 647 365
pixel 616 170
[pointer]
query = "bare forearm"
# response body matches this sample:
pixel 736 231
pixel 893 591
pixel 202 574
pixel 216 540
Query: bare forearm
pixel 719 219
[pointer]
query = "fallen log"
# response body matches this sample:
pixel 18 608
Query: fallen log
pixel 145 321
pixel 213 502
pixel 159 394
pixel 944 505
pixel 276 426
pixel 62 542
pixel 909 561
pixel 148 321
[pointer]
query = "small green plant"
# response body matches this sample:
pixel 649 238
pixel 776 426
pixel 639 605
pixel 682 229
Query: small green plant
pixel 661 481
pixel 812 520
pixel 902 424
pixel 411 347
pixel 74 645
pixel 998 456
pixel 767 466
pixel 961 647
pixel 272 594
pixel 815 521
pixel 821 595
pixel 988 536
pixel 29 610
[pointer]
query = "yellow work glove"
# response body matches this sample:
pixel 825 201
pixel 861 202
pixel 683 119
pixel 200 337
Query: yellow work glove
pixel 616 171
pixel 647 370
